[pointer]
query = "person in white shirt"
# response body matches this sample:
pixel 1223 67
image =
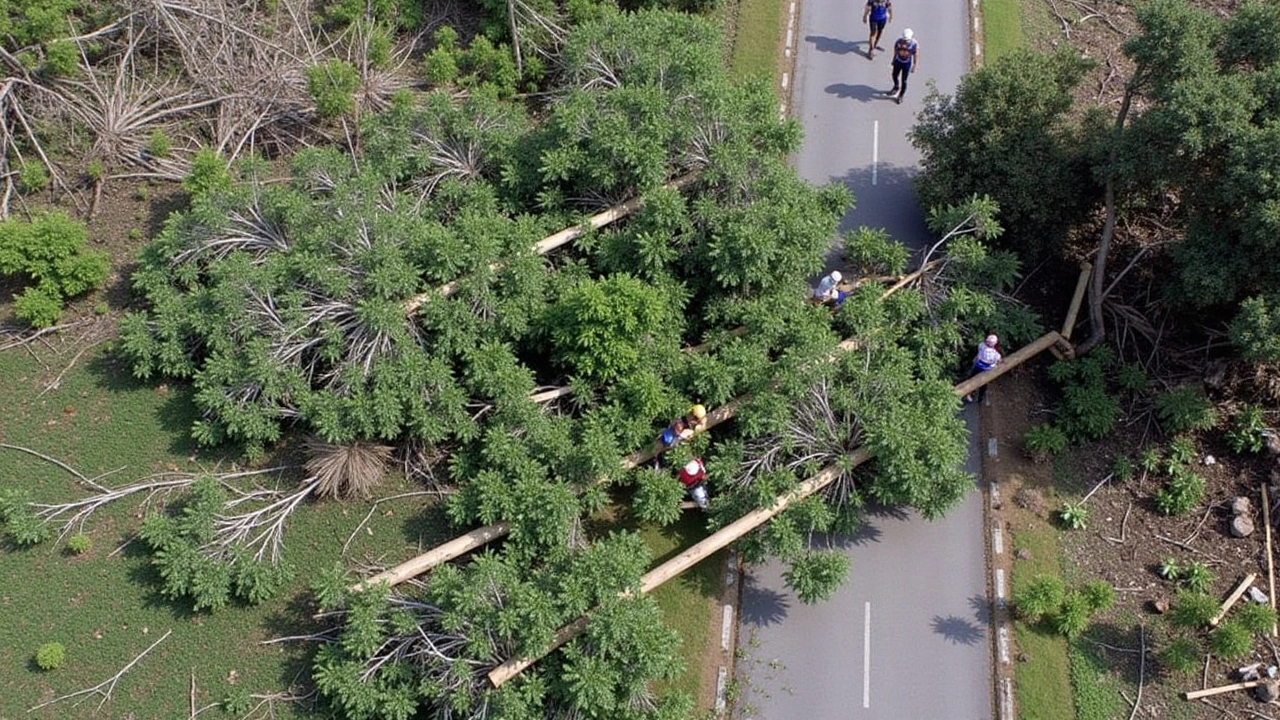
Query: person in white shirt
pixel 988 356
pixel 828 287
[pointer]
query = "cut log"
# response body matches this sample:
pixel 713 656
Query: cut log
pixel 1271 568
pixel 439 554
pixel 1207 692
pixel 551 242
pixel 1070 323
pixel 1233 598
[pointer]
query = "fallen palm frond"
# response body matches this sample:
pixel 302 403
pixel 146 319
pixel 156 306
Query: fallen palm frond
pixel 347 470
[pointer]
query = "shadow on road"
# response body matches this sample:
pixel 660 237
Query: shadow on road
pixel 762 606
pixel 864 535
pixel 981 607
pixel 861 93
pixel 833 45
pixel 957 630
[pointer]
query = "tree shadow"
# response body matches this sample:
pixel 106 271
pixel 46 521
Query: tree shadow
pixel 145 575
pixel 957 630
pixel 892 512
pixel 836 46
pixel 295 618
pixel 861 93
pixel 761 606
pixel 981 608
pixel 866 534
pixel 429 527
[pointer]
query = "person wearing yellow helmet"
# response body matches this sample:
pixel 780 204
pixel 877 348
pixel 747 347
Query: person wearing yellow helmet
pixel 685 426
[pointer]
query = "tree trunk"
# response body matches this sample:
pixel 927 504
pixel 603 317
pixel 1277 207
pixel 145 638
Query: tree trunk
pixel 515 37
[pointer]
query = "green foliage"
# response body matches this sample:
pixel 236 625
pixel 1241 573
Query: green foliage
pixel 1131 377
pixel 209 173
pixel 1123 467
pixel 51 656
pixel 1245 433
pixel 872 252
pixel 1150 459
pixel 1040 597
pixel 79 543
pixel 159 144
pixel 38 306
pixel 1255 330
pixel 1182 451
pixel 1075 516
pixel 51 251
pixel 1255 617
pixel 815 576
pixel 1197 577
pixel 179 543
pixel 1185 409
pixel 61 58
pixel 1072 616
pixel 1191 610
pixel 1036 169
pixel 30 22
pixel 1088 411
pixel 1044 441
pixel 1099 595
pixel 608 329
pixel 1170 569
pixel 21 524
pixel 32 176
pixel 1230 640
pixel 1181 655
pixel 1183 491
pixel 332 85
pixel 657 498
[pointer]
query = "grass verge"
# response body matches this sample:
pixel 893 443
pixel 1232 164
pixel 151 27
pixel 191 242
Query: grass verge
pixel 756 29
pixel 105 605
pixel 1001 28
pixel 1044 680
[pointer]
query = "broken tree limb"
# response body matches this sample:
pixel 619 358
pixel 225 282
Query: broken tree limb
pixel 551 242
pixel 1271 567
pixel 1233 598
pixel 1142 670
pixel 439 554
pixel 106 687
pixel 688 558
pixel 1207 692
pixel 1081 285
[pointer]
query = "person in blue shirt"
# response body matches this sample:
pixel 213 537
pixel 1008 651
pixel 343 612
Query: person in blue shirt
pixel 906 56
pixel 880 13
pixel 989 355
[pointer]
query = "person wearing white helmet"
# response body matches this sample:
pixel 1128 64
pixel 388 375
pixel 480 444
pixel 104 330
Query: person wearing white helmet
pixel 988 357
pixel 828 291
pixel 694 478
pixel 906 56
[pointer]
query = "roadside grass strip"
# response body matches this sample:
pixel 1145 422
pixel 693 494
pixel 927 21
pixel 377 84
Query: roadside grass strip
pixel 1044 680
pixel 757 40
pixel 1001 28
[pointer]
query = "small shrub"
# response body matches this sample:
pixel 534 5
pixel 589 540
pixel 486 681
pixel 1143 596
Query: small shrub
pixel 79 543
pixel 1230 640
pixel 39 308
pixel 1042 596
pixel 32 177
pixel 51 656
pixel 209 172
pixel 1072 616
pixel 1149 460
pixel 1132 377
pixel 1182 493
pixel 1099 595
pixel 1182 451
pixel 239 701
pixel 332 85
pixel 1181 655
pixel 1169 569
pixel 1123 467
pixel 61 58
pixel 1197 577
pixel 1184 409
pixel 1255 618
pixel 1245 433
pixel 1044 441
pixel 1074 515
pixel 1192 610
pixel 1088 411
pixel 159 144
pixel 96 169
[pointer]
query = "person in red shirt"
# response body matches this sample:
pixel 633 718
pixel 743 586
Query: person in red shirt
pixel 694 478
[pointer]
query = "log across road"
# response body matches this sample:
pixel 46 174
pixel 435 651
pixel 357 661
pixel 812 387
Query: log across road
pixel 906 638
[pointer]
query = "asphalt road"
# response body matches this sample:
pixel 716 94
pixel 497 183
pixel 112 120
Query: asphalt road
pixel 907 637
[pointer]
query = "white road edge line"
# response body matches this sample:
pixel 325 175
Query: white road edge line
pixel 866 656
pixel 875 150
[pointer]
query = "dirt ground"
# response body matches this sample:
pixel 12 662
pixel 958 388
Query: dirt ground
pixel 1126 541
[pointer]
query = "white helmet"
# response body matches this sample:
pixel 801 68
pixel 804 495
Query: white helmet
pixel 836 276
pixel 992 341
pixel 692 467
pixel 908 34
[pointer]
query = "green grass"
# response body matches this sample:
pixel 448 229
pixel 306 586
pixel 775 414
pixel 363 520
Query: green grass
pixel 1097 690
pixel 758 26
pixel 105 607
pixel 1044 680
pixel 1001 28
pixel 689 602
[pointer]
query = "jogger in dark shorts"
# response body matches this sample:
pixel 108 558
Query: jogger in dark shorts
pixel 880 13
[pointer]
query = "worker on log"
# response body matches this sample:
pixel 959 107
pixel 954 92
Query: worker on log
pixel 989 355
pixel 694 478
pixel 828 291
pixel 685 426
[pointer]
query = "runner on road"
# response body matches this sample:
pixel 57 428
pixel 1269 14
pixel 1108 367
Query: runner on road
pixel 881 13
pixel 906 53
